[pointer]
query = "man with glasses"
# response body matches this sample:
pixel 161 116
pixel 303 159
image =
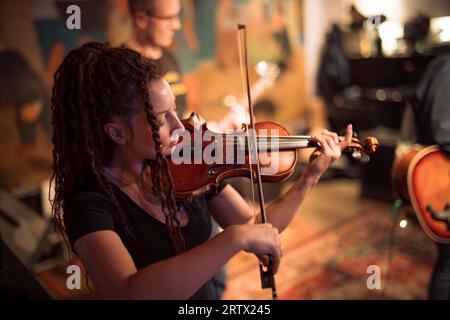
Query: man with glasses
pixel 154 25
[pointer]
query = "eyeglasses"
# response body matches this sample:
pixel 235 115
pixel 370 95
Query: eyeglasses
pixel 163 18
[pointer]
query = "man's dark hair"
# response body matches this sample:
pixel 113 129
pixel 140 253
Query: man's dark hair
pixel 265 106
pixel 144 5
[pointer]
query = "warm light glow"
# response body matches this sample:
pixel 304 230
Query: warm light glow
pixel 390 32
pixel 441 28
pixel 403 223
pixel 381 95
pixel 261 68
pixel 229 100
pixel 393 9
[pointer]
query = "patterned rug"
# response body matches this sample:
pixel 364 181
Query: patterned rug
pixel 332 264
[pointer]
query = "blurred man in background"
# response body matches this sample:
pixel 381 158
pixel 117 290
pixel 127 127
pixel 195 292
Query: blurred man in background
pixel 427 122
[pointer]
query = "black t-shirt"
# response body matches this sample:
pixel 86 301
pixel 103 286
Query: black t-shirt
pixel 91 210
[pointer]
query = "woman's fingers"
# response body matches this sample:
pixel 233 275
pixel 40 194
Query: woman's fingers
pixel 330 149
pixel 331 134
pixel 326 134
pixel 348 137
pixel 328 145
pixel 276 258
pixel 276 250
pixel 264 240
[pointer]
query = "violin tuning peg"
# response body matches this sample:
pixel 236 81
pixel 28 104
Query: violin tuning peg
pixel 371 145
pixel 356 154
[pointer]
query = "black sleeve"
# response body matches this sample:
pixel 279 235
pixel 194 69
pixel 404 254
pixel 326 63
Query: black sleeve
pixel 88 212
pixel 431 106
pixel 440 117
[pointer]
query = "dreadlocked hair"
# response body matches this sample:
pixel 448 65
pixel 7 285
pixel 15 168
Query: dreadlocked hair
pixel 95 84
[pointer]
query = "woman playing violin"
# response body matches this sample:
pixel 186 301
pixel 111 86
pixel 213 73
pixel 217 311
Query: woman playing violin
pixel 113 116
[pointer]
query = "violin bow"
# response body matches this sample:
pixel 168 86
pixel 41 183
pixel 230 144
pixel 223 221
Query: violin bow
pixel 267 276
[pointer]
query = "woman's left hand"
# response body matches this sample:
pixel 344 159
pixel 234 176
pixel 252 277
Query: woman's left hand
pixel 330 150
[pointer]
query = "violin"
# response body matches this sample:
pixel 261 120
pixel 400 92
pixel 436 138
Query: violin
pixel 198 175
pixel 206 162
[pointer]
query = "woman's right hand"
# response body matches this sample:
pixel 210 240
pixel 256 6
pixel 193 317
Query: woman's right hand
pixel 260 239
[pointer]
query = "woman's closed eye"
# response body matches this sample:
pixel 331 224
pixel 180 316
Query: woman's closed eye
pixel 161 119
pixel 165 117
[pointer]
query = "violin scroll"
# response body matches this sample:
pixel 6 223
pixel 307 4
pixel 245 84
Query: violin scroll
pixel 362 151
